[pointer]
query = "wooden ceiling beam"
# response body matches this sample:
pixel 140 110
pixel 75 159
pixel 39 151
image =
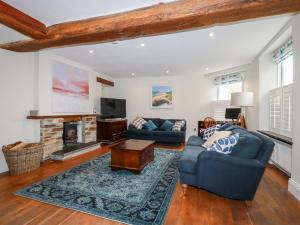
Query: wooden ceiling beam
pixel 21 22
pixel 160 19
pixel 105 82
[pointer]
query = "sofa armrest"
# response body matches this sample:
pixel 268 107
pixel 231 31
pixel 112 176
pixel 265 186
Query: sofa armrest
pixel 230 176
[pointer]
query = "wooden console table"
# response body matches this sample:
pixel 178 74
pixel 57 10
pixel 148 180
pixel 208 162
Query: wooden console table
pixel 111 130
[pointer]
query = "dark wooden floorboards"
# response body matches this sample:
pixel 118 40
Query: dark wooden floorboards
pixel 273 204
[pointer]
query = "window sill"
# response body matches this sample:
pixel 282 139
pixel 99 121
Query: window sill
pixel 278 137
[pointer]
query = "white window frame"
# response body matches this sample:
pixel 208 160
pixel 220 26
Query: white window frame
pixel 220 106
pixel 218 90
pixel 280 73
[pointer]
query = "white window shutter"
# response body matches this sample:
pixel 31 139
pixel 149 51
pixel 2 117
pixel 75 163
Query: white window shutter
pixel 275 110
pixel 287 110
pixel 281 110
pixel 220 109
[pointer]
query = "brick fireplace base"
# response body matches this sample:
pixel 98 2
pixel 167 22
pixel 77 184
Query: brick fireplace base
pixel 51 131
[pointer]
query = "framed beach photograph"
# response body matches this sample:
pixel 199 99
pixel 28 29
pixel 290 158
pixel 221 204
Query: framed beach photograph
pixel 161 96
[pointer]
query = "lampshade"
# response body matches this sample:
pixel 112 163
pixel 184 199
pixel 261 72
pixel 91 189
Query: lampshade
pixel 242 99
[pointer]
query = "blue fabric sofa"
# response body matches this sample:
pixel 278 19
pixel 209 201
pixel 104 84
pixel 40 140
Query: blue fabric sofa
pixel 235 176
pixel 160 136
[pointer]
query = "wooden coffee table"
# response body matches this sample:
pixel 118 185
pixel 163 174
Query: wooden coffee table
pixel 132 155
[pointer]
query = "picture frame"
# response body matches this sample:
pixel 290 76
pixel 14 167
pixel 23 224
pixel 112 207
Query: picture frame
pixel 161 96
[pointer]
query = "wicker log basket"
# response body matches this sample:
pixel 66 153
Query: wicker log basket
pixel 23 158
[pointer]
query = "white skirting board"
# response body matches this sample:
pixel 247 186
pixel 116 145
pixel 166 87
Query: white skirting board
pixel 294 188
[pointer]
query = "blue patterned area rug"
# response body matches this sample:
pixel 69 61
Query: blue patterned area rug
pixel 116 195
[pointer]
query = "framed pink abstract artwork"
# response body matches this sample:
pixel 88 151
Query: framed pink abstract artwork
pixel 70 89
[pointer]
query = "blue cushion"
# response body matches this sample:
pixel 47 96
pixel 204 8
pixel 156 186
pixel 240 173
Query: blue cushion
pixel 150 125
pixel 167 126
pixel 225 145
pixel 189 159
pixel 195 141
pixel 248 145
pixel 156 121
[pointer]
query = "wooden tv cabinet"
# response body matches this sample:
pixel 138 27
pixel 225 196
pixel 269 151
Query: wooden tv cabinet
pixel 111 131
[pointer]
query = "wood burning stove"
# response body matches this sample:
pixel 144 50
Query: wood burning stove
pixel 70 136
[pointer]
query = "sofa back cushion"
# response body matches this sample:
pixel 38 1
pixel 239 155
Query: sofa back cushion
pixel 224 126
pixel 248 145
pixel 156 121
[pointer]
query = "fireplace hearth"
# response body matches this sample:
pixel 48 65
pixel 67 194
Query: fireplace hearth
pixel 70 133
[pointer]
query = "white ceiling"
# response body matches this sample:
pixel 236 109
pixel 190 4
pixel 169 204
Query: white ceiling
pixel 10 35
pixel 182 53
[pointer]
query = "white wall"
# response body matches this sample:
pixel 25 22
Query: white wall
pixel 25 84
pixel 268 73
pixel 45 60
pixel 267 82
pixel 294 182
pixel 251 84
pixel 192 94
pixel 17 96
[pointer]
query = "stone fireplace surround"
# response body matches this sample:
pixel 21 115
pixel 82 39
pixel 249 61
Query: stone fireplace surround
pixel 51 130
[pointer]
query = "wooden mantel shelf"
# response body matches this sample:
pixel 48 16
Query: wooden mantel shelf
pixel 59 116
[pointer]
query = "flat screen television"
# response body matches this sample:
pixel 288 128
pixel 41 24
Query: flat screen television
pixel 113 108
pixel 232 113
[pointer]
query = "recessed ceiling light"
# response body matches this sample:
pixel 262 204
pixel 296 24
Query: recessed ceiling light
pixel 206 68
pixel 132 74
pixel 167 71
pixel 91 51
pixel 143 45
pixel 211 34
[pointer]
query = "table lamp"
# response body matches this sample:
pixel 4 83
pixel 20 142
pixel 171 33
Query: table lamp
pixel 243 100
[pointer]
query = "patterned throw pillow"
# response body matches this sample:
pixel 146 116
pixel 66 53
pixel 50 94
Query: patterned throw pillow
pixel 210 131
pixel 225 145
pixel 215 137
pixel 138 122
pixel 178 125
pixel 180 122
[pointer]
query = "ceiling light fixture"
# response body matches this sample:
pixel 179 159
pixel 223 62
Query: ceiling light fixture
pixel 211 34
pixel 91 51
pixel 206 69
pixel 132 74
pixel 143 45
pixel 167 71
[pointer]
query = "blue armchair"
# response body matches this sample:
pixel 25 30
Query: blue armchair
pixel 234 176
